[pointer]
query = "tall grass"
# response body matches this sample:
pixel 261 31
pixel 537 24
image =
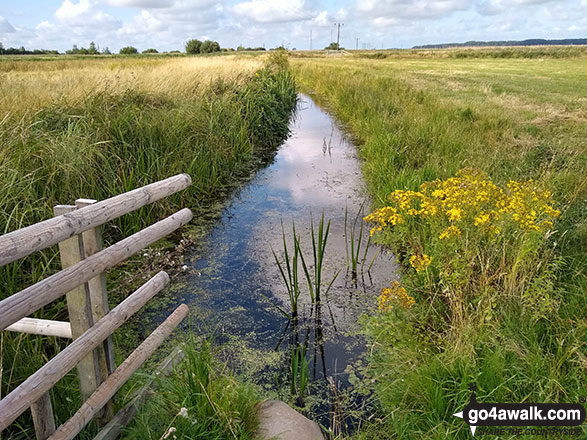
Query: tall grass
pixel 353 237
pixel 422 120
pixel 289 271
pixel 314 278
pixel 159 120
pixel 199 400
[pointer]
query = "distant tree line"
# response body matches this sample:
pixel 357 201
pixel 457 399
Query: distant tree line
pixel 197 46
pixel 529 42
pixel 191 47
pixel 91 50
pixel 241 48
pixel 22 51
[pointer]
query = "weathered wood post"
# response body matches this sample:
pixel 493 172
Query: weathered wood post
pixel 43 418
pixel 79 308
pixel 91 244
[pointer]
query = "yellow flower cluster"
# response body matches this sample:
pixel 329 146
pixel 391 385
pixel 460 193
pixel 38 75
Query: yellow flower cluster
pixel 384 217
pixel 420 262
pixel 470 198
pixel 396 294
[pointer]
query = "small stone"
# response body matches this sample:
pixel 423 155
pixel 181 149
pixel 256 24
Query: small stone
pixel 278 421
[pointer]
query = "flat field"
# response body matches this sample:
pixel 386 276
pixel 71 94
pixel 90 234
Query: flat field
pixel 493 246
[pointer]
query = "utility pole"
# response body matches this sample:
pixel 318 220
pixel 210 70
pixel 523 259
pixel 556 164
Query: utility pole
pixel 357 43
pixel 310 39
pixel 338 25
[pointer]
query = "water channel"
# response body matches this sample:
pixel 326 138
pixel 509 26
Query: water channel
pixel 234 286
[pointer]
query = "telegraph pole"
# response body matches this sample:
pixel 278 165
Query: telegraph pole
pixel 357 43
pixel 338 25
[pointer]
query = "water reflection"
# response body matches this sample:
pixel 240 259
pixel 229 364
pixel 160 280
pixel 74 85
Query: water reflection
pixel 235 286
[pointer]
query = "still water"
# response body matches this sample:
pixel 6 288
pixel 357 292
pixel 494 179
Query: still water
pixel 234 287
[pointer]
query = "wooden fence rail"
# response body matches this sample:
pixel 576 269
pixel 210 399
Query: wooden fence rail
pixel 25 241
pixel 76 229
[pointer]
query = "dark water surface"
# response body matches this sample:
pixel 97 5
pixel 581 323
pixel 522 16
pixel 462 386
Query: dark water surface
pixel 233 285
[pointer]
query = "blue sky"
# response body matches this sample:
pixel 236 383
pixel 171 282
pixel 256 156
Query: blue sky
pixel 167 24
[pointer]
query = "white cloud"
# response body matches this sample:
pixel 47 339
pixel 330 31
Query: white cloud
pixel 143 4
pixel 5 26
pixel 341 14
pixel 276 11
pixel 44 25
pixel 144 23
pixel 85 14
pixel 494 7
pixel 407 9
pixel 69 11
pixel 323 19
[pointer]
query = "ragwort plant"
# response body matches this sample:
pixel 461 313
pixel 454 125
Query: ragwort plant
pixel 471 244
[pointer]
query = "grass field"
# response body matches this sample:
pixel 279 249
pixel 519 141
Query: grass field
pixel 94 128
pixel 505 310
pixel 476 162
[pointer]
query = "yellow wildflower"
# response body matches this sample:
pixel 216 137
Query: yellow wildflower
pixel 454 214
pixel 420 262
pixel 451 231
pixel 395 294
pixel 482 218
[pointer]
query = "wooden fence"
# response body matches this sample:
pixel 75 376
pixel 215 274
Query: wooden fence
pixel 76 229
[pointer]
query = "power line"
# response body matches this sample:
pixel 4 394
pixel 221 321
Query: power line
pixel 338 25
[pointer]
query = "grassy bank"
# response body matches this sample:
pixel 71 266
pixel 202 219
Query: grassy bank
pixel 499 300
pixel 97 128
pixel 199 400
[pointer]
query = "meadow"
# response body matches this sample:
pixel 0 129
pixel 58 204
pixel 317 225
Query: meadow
pixel 476 165
pixel 94 128
pixel 475 160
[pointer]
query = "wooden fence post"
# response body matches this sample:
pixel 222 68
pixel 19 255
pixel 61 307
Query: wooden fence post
pixel 79 308
pixel 91 244
pixel 43 417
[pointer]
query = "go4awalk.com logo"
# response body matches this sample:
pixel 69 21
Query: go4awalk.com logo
pixel 523 418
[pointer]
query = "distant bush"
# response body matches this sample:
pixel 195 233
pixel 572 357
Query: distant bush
pixel 333 46
pixel 150 51
pixel 193 46
pixel 277 60
pixel 241 48
pixel 209 47
pixel 128 50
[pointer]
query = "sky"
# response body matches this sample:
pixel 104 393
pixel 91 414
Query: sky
pixel 168 24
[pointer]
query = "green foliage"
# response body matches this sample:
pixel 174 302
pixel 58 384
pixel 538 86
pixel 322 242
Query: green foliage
pixel 298 373
pixel 277 60
pixel 289 271
pixel 150 51
pixel 209 47
pixel 521 330
pixel 92 50
pixel 193 46
pixel 319 240
pixel 199 400
pixel 333 46
pixel 128 50
pixel 112 143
